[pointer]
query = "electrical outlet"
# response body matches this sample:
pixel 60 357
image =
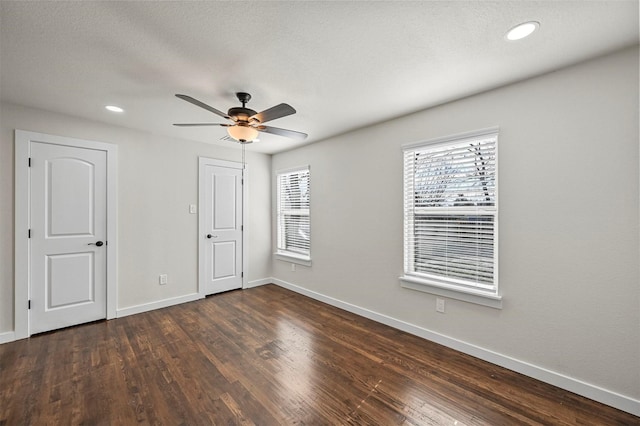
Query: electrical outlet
pixel 440 305
pixel 163 279
pixel 293 267
pixel 193 209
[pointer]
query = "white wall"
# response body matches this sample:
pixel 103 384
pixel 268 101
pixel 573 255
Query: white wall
pixel 157 180
pixel 569 222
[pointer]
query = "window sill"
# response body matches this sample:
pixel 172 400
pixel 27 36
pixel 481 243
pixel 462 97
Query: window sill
pixel 293 258
pixel 440 289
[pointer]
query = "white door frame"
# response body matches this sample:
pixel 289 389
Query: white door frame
pixel 202 162
pixel 22 284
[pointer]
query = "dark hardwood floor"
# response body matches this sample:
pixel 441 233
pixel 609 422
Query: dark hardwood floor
pixel 267 356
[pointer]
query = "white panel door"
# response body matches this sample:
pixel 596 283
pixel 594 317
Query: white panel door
pixel 68 236
pixel 221 238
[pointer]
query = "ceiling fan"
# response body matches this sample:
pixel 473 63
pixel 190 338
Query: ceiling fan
pixel 246 122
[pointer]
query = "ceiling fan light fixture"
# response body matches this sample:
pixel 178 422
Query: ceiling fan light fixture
pixel 242 132
pixel 521 31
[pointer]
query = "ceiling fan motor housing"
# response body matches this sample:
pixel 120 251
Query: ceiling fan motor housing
pixel 241 113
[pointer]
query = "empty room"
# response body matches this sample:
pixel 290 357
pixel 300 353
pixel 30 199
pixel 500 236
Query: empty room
pixel 319 212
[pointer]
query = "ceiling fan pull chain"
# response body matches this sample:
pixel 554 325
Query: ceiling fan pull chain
pixel 243 159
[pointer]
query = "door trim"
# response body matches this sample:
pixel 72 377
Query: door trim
pixel 202 162
pixel 22 212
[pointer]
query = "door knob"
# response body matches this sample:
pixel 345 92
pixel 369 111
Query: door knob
pixel 97 243
pixel 209 236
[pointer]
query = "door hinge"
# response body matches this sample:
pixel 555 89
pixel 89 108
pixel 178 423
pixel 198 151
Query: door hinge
pixel 29 306
pixel 242 227
pixel 29 161
pixel 29 234
pixel 241 274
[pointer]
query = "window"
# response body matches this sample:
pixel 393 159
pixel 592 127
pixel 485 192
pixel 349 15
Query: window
pixel 450 216
pixel 294 228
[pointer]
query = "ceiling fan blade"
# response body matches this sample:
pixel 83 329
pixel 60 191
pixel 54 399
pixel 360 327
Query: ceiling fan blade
pixel 272 113
pixel 201 124
pixel 203 105
pixel 283 132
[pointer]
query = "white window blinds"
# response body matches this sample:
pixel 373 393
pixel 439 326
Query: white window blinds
pixel 294 228
pixel 450 212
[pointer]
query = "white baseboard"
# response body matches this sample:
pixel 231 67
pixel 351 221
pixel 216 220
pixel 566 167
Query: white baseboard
pixel 259 282
pixel 7 336
pixel 579 387
pixel 165 303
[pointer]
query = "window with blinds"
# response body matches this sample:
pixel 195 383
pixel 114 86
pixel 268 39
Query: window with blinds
pixel 294 228
pixel 450 212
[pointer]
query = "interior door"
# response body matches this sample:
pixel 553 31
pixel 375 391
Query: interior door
pixel 221 226
pixel 67 236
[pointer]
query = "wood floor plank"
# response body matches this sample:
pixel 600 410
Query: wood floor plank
pixel 267 356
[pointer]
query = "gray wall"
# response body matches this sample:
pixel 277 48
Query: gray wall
pixel 568 224
pixel 157 180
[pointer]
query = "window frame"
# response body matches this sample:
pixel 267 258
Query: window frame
pixel 430 283
pixel 282 253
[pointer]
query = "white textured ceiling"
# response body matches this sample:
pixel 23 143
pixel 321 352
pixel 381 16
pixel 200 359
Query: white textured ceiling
pixel 342 65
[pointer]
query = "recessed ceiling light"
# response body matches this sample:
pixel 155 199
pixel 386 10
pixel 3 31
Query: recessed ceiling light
pixel 114 108
pixel 523 30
